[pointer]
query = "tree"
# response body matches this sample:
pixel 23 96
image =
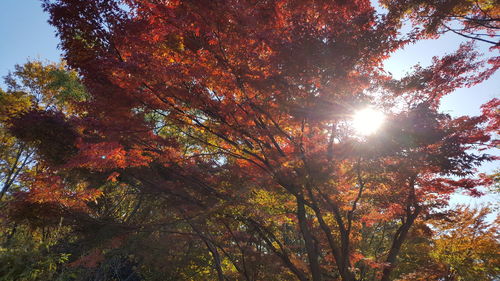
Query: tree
pixel 464 247
pixel 224 126
pixel 468 246
pixel 25 249
pixel 478 20
pixel 32 86
pixel 14 157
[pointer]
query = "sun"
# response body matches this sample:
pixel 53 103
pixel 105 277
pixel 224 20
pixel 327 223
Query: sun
pixel 367 121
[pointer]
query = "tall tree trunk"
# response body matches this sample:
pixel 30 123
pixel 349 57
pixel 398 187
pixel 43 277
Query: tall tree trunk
pixel 397 242
pixel 312 253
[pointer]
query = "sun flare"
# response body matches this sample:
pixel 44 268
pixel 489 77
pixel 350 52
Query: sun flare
pixel 367 121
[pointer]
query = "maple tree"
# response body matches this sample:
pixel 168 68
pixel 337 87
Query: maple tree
pixel 463 247
pixel 218 135
pixel 477 20
pixel 32 87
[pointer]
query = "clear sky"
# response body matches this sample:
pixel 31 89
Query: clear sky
pixel 26 34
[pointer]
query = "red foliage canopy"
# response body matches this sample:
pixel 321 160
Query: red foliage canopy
pixel 208 101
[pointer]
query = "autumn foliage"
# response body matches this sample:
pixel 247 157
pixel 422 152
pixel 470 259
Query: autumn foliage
pixel 213 141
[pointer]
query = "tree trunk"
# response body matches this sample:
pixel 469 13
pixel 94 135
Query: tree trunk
pixel 312 253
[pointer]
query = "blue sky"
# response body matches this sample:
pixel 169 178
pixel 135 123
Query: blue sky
pixel 26 35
